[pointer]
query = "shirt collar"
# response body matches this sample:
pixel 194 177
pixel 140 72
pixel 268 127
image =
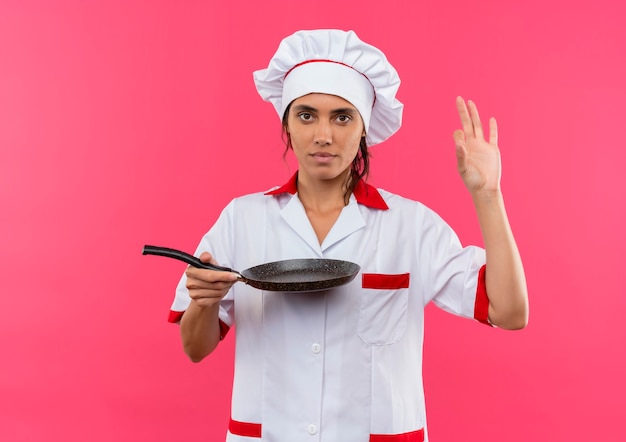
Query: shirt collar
pixel 364 193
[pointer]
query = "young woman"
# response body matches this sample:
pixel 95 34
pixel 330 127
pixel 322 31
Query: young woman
pixel 345 364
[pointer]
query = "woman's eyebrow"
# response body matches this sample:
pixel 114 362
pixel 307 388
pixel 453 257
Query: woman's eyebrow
pixel 342 110
pixel 304 107
pixel 345 110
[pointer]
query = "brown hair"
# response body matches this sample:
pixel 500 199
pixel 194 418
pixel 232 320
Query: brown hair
pixel 359 170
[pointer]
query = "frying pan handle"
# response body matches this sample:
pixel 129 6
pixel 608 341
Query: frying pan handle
pixel 182 256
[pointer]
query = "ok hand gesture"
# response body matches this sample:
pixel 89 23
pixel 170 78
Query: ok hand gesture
pixel 478 160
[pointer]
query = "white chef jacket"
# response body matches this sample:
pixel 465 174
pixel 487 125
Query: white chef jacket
pixel 343 364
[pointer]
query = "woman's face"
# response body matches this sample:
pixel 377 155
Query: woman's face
pixel 325 131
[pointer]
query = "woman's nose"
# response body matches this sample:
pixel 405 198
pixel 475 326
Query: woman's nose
pixel 323 134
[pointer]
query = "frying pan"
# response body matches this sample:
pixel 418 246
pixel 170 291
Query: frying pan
pixel 292 275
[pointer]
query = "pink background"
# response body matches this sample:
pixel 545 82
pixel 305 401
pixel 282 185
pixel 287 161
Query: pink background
pixel 124 123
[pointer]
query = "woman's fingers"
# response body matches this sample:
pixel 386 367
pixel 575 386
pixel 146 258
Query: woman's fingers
pixel 493 131
pixel 459 138
pixel 204 276
pixel 459 141
pixel 470 121
pixel 208 258
pixel 464 115
pixel 201 284
pixel 476 124
pixel 208 284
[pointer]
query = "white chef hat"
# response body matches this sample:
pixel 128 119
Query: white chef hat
pixel 335 62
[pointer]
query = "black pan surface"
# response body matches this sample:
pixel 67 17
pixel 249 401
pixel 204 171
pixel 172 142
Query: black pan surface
pixel 292 275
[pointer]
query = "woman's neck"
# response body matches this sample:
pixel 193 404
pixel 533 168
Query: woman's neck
pixel 323 201
pixel 322 196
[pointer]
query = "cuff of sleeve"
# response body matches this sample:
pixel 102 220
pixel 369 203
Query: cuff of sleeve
pixel 175 317
pixel 481 305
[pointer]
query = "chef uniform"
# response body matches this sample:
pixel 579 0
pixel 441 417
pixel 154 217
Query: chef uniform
pixel 343 364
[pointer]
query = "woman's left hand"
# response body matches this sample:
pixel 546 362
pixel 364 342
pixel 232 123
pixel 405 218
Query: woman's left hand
pixel 478 159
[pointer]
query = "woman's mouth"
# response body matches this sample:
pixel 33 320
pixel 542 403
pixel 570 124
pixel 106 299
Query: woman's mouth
pixel 323 157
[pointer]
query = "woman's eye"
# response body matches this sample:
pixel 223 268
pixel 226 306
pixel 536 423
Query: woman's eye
pixel 305 116
pixel 344 118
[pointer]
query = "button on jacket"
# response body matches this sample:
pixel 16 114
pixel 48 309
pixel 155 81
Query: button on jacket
pixel 343 364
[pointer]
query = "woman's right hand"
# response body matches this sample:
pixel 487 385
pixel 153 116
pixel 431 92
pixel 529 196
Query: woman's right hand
pixel 208 287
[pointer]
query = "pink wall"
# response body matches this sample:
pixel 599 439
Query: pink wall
pixel 127 122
